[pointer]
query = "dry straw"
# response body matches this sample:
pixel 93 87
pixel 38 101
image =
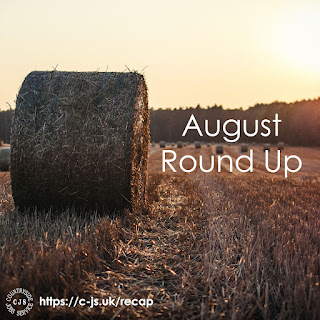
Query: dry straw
pixel 219 149
pixel 81 138
pixel 4 159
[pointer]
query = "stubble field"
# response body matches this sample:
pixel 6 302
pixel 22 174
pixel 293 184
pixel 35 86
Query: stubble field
pixel 212 245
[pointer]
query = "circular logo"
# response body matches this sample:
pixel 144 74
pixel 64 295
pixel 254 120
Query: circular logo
pixel 19 301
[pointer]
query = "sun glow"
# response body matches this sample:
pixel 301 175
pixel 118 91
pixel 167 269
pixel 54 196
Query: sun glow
pixel 298 38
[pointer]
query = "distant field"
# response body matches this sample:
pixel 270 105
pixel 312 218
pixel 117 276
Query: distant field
pixel 310 159
pixel 213 245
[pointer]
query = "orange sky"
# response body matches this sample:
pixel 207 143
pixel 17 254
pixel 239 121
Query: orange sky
pixel 234 53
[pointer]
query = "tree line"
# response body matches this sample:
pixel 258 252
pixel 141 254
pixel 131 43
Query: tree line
pixel 300 122
pixel 5 125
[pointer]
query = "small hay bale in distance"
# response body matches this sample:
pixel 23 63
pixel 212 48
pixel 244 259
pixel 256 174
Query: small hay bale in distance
pixel 208 145
pixel 281 145
pixel 162 144
pixel 173 144
pixel 197 145
pixel 5 159
pixel 1 142
pixel 219 149
pixel 153 144
pixel 266 146
pixel 244 147
pixel 179 144
pixel 89 138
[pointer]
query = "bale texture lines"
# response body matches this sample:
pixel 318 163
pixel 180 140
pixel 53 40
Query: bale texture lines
pixel 81 139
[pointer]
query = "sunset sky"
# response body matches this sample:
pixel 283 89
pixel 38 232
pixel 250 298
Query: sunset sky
pixel 234 53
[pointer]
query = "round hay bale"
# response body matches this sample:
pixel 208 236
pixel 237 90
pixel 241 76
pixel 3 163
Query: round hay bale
pixel 281 145
pixel 197 145
pixel 208 145
pixel 153 144
pixel 244 147
pixel 173 144
pixel 1 142
pixel 266 146
pixel 179 144
pixel 81 139
pixel 4 159
pixel 219 149
pixel 162 144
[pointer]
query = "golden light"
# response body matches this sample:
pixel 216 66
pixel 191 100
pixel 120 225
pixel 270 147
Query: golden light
pixel 298 38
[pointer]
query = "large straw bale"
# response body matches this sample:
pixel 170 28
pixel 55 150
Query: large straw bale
pixel 244 147
pixel 4 159
pixel 266 146
pixel 81 139
pixel 162 144
pixel 281 145
pixel 179 144
pixel 197 145
pixel 219 149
